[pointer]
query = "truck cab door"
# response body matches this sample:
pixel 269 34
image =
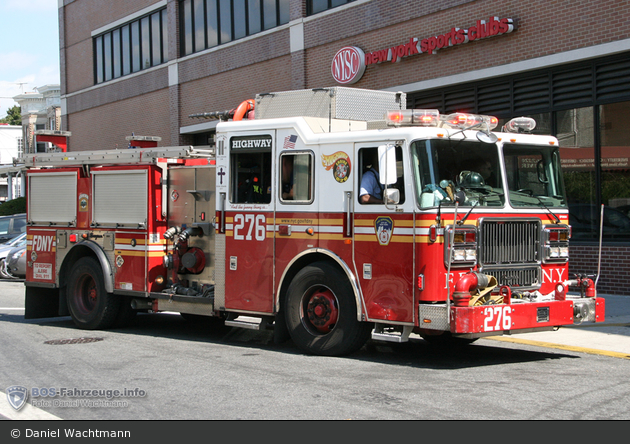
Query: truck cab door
pixel 384 234
pixel 245 211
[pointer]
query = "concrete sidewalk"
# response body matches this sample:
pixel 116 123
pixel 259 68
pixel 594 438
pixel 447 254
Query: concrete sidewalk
pixel 611 337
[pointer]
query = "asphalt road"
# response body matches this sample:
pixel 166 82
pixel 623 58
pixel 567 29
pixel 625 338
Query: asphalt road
pixel 188 373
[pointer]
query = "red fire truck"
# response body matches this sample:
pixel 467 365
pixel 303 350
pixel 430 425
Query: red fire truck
pixel 467 233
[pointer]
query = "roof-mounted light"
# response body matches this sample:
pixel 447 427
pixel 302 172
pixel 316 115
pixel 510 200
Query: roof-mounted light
pixel 465 121
pixel 520 125
pixel 416 117
pixel 432 117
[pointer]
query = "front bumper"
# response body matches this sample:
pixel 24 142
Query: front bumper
pixel 527 316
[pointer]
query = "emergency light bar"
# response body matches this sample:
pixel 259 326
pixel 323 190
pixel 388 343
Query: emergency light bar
pixel 419 117
pixel 432 117
pixel 463 120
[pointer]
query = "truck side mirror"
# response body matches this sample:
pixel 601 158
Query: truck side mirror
pixel 387 164
pixel 392 196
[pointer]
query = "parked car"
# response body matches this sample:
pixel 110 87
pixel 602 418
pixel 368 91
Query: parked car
pixel 19 241
pixel 16 262
pixel 12 226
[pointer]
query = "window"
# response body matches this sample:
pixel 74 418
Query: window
pixel 136 45
pixel 371 190
pixel 533 175
pixel 615 176
pixel 208 23
pixel 250 171
pixel 315 6
pixel 296 177
pixel 466 171
pixel 575 134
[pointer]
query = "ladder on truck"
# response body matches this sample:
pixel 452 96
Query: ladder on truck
pixel 144 156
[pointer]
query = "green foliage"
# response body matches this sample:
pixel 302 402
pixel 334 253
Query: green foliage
pixel 13 206
pixel 14 116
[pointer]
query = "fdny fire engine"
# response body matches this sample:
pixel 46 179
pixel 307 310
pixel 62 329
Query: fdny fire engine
pixel 268 228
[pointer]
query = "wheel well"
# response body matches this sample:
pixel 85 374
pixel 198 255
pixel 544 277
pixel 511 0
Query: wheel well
pixel 71 258
pixel 299 264
pixel 78 252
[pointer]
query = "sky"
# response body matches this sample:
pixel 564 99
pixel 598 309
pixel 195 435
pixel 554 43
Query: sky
pixel 29 53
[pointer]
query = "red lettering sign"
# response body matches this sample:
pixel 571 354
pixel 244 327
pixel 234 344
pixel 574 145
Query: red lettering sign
pixel 348 65
pixel 350 62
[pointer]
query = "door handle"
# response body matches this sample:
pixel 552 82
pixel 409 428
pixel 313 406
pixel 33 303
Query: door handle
pixel 348 221
pixel 222 214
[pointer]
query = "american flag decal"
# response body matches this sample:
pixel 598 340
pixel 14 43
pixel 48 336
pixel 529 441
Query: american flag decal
pixel 289 142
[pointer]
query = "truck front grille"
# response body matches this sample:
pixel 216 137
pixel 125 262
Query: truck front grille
pixel 509 242
pixel 509 250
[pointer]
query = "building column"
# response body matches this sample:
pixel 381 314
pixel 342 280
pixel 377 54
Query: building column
pixel 297 12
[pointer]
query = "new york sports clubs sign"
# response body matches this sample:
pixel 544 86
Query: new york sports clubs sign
pixel 350 62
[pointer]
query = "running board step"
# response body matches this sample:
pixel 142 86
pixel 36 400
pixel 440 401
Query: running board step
pixel 248 322
pixel 388 333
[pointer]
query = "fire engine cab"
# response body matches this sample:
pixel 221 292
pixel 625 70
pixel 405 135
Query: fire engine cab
pixel 334 215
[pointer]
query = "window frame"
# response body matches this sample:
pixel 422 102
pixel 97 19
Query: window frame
pixel 110 64
pixel 215 24
pixel 311 178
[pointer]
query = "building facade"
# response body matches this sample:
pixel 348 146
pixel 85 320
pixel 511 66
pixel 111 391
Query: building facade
pixel 144 66
pixel 11 146
pixel 40 110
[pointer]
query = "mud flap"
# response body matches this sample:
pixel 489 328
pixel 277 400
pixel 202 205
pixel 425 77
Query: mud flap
pixel 42 303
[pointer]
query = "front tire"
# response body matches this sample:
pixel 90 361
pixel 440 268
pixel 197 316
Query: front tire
pixel 321 312
pixel 90 306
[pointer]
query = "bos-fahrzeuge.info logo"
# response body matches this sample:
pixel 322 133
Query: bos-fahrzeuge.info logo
pixel 18 396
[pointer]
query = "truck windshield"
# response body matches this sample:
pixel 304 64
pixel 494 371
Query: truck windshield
pixel 534 176
pixel 463 170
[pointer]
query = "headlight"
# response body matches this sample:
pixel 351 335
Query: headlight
pixel 471 255
pixel 556 243
pixel 464 243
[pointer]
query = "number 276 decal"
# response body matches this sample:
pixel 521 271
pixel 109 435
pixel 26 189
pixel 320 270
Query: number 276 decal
pixel 248 226
pixel 497 318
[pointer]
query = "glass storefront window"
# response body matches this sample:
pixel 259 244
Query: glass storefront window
pixel 575 134
pixel 615 174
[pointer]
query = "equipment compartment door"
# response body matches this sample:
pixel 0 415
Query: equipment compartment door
pixel 249 227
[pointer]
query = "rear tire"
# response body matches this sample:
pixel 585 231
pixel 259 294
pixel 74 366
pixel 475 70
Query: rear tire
pixel 90 306
pixel 321 312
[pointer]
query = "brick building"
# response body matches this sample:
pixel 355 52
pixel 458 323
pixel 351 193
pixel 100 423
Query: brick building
pixel 144 66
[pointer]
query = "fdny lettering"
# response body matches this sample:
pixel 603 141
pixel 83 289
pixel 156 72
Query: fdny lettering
pixel 251 143
pixel 43 243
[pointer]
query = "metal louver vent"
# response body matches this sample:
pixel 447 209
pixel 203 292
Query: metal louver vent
pixel 531 93
pixel 494 99
pixel 572 87
pixel 613 80
pixel 459 101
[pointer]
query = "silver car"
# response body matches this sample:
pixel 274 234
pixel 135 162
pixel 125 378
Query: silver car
pixel 16 262
pixel 5 249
